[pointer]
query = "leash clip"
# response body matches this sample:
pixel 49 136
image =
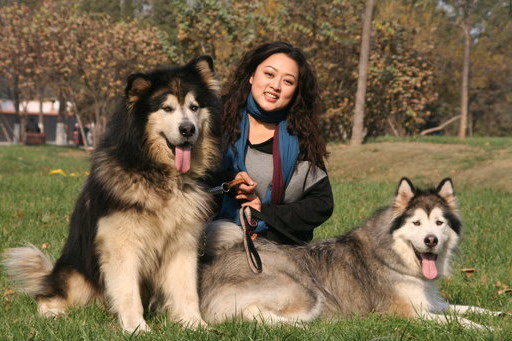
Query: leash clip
pixel 223 188
pixel 226 186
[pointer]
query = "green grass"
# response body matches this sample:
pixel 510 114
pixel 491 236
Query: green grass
pixel 484 142
pixel 35 207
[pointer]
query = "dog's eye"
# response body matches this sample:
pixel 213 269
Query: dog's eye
pixel 439 222
pixel 416 223
pixel 168 108
pixel 194 107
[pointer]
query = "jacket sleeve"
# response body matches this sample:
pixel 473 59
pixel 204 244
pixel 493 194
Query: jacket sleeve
pixel 293 223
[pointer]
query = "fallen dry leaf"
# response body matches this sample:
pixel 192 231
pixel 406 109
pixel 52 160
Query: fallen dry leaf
pixel 468 271
pixel 504 288
pixel 45 245
pixel 7 293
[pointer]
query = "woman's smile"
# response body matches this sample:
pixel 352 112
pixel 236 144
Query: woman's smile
pixel 272 97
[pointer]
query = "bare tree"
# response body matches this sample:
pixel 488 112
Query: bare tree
pixel 357 127
pixel 464 98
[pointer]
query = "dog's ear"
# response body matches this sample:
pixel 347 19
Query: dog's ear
pixel 445 187
pixel 137 85
pixel 204 65
pixel 404 193
pixel 445 191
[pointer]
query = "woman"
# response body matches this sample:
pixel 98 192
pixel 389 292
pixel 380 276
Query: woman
pixel 273 142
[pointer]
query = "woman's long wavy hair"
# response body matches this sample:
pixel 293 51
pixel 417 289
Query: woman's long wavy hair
pixel 303 115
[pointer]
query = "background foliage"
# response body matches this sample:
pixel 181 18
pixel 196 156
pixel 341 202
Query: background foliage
pixel 84 52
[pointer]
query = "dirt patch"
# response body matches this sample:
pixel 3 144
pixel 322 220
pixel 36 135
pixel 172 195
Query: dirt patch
pixel 424 163
pixel 493 174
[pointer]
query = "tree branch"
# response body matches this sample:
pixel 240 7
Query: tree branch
pixel 440 127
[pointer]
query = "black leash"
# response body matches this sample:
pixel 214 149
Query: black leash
pixel 253 257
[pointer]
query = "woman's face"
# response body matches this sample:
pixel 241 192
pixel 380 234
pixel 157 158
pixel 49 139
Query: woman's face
pixel 274 82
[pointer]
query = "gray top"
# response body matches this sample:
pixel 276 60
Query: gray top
pixel 260 168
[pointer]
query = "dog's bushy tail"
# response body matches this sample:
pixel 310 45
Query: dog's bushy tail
pixel 27 267
pixel 222 235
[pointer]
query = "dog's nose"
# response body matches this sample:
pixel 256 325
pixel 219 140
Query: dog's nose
pixel 187 129
pixel 431 240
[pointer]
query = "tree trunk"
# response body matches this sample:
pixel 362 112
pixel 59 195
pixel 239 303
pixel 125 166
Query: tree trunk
pixel 393 129
pixel 6 129
pixel 464 97
pixel 357 127
pixel 40 117
pixel 470 123
pixel 20 121
pixel 98 128
pixel 81 129
pixel 61 138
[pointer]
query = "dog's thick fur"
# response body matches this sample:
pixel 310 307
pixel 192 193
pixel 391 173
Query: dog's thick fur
pixel 389 266
pixel 135 230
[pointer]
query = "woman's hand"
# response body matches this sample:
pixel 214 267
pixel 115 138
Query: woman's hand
pixel 246 190
pixel 253 202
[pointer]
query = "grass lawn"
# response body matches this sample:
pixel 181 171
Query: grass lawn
pixel 35 207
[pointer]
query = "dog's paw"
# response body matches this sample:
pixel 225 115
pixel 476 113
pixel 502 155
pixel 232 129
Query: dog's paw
pixel 496 313
pixel 52 307
pixel 135 327
pixel 194 323
pixel 473 325
pixel 501 314
pixel 493 313
pixel 52 313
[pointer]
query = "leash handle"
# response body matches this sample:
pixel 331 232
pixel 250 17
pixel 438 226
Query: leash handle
pixel 253 257
pixel 236 182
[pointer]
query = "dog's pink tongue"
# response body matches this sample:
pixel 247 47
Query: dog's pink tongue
pixel 428 266
pixel 182 158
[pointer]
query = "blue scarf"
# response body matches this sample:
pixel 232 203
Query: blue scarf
pixel 234 158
